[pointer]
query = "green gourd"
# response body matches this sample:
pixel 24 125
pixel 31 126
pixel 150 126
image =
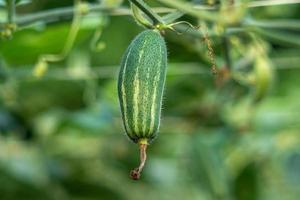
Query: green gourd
pixel 140 88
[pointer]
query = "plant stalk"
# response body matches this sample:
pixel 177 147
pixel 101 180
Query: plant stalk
pixel 156 19
pixel 11 11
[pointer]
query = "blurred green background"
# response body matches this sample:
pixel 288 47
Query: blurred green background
pixel 230 136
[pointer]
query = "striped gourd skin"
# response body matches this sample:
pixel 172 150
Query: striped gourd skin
pixel 140 85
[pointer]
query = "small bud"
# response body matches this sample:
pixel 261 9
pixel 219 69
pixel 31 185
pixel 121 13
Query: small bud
pixel 40 68
pixel 263 77
pixel 83 8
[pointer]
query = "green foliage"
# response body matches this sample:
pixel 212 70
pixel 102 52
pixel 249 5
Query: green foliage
pixel 233 136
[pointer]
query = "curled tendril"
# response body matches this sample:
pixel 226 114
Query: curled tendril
pixel 171 27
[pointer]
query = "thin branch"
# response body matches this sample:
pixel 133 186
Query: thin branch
pixel 290 24
pixel 263 3
pixel 66 13
pixel 75 27
pixel 253 4
pixel 11 10
pixel 188 8
pixel 54 14
pixel 226 50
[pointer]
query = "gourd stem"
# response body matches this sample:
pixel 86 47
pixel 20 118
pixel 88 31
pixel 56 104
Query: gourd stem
pixel 136 173
pixel 156 19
